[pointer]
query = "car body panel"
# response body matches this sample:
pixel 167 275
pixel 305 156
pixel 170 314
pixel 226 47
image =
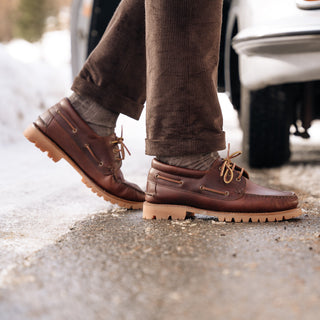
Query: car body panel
pixel 277 42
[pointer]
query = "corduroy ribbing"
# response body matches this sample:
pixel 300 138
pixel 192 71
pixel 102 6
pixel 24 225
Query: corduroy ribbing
pixel 114 75
pixel 182 45
pixel 165 51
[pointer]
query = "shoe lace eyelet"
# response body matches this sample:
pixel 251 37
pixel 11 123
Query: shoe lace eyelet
pixel 75 130
pixel 238 179
pixel 227 193
pixel 100 164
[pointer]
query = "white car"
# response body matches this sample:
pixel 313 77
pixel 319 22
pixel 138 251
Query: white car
pixel 272 73
pixel 269 66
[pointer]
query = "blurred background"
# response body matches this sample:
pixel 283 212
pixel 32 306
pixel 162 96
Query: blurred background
pixel 29 19
pixel 35 61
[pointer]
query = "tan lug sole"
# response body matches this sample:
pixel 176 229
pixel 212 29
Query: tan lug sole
pixel 45 144
pixel 177 212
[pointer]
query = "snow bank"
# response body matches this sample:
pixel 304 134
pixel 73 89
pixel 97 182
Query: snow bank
pixel 33 77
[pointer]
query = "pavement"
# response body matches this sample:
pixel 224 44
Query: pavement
pixel 67 254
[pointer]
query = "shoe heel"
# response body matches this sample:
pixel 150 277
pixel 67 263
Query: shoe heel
pixel 164 211
pixel 35 136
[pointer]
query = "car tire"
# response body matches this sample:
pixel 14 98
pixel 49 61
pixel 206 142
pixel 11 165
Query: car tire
pixel 265 120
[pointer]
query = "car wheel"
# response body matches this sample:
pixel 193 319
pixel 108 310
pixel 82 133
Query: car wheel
pixel 265 120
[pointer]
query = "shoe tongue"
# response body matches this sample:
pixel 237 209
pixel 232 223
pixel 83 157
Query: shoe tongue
pixel 220 160
pixel 109 140
pixel 117 156
pixel 245 172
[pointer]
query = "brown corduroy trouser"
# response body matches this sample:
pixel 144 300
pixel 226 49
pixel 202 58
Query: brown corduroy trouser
pixel 165 52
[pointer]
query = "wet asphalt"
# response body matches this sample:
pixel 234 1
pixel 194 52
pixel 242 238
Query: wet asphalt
pixel 114 265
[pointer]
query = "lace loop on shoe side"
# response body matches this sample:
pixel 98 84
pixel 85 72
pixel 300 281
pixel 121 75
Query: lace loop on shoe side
pixel 123 147
pixel 227 168
pixel 224 193
pixel 158 176
pixel 74 129
pixel 100 163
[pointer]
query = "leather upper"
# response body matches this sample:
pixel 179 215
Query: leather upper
pixel 97 156
pixel 207 190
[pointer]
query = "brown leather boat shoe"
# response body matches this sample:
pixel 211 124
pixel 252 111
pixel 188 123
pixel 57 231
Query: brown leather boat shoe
pixel 63 134
pixel 224 191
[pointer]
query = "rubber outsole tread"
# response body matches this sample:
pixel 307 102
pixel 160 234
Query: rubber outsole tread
pixel 177 212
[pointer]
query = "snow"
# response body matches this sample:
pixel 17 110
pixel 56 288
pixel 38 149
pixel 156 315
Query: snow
pixel 32 77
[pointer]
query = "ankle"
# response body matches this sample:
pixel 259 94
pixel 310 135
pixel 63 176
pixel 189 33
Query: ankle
pixel 101 120
pixel 194 161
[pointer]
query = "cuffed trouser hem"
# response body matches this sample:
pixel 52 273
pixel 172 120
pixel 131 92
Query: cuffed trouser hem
pixel 182 147
pixel 109 99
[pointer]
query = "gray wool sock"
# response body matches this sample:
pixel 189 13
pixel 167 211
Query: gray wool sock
pixel 194 161
pixel 101 120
